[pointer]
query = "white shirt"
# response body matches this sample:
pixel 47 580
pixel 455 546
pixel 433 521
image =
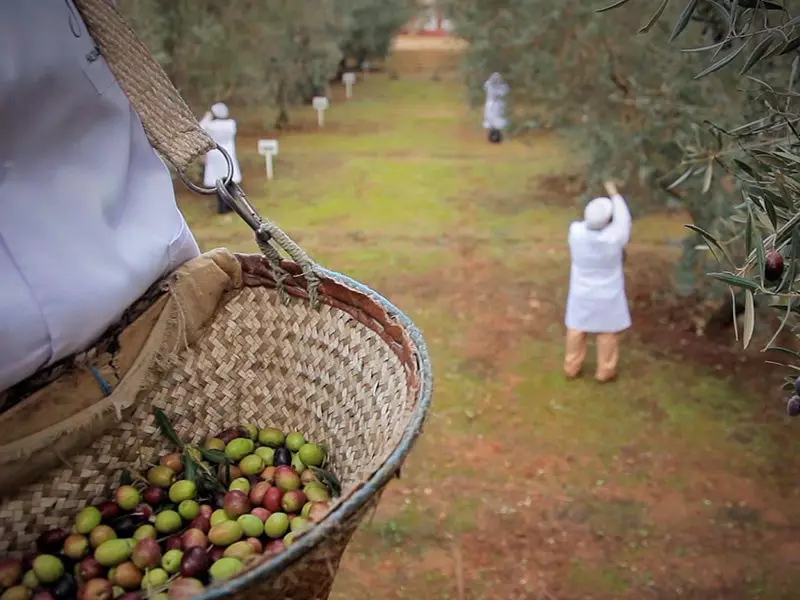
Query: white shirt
pixel 88 219
pixel 597 301
pixel 223 131
pixel 494 111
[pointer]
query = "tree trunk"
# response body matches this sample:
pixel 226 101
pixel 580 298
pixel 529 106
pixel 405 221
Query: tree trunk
pixel 283 113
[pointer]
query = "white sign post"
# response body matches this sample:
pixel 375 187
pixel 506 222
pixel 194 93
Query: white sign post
pixel 268 149
pixel 349 79
pixel 320 104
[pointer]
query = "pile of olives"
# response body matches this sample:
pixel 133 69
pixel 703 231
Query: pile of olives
pixel 165 539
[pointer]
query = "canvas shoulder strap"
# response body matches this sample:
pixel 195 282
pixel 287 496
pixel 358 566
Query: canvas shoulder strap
pixel 168 121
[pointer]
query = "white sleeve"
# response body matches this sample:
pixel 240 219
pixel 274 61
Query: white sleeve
pixel 207 118
pixel 620 228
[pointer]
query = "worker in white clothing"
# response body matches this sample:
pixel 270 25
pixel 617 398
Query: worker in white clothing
pixel 597 303
pixel 494 111
pixel 223 130
pixel 88 218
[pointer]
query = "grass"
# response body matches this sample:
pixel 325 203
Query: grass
pixel 547 488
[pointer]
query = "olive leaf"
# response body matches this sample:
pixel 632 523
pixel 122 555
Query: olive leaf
pixel 190 468
pixel 757 54
pixel 684 176
pixel 749 318
pixel 745 167
pixel 328 479
pixel 683 20
pixel 166 428
pixel 712 243
pixel 748 231
pixel 656 16
pixel 760 4
pixel 708 177
pixel 791 46
pixel 616 4
pixel 735 281
pixel 734 310
pixel 789 306
pixel 214 456
pixel 125 477
pixel 769 208
pixel 721 62
pixel 792 353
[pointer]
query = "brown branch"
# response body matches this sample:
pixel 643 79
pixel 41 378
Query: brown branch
pixel 618 80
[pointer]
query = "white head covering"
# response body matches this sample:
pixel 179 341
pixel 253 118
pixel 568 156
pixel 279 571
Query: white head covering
pixel 598 213
pixel 219 110
pixel 496 85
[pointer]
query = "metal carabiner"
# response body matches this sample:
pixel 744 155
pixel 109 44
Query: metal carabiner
pixel 210 191
pixel 233 195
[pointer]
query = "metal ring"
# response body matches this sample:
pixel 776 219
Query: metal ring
pixel 210 191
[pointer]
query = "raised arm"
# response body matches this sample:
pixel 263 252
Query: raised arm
pixel 620 227
pixel 207 118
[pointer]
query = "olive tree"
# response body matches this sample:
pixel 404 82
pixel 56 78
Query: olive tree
pixel 262 52
pixel 758 40
pixel 633 104
pixel 370 26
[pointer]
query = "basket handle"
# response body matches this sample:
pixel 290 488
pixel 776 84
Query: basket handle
pixel 173 129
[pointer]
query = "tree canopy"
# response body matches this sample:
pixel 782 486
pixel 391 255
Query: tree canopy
pixel 263 52
pixel 689 101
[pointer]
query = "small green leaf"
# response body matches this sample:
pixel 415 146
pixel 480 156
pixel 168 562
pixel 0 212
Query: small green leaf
pixel 215 456
pixel 721 62
pixel 686 174
pixel 748 231
pixel 757 54
pixel 733 310
pixel 612 6
pixel 735 281
pixel 708 177
pixel 190 468
pixel 760 257
pixel 125 477
pixel 749 317
pixel 328 479
pixel 656 16
pixel 769 208
pixel 683 20
pixel 745 167
pixel 166 428
pixel 759 4
pixel 783 322
pixel 792 353
pixel 791 46
pixel 712 243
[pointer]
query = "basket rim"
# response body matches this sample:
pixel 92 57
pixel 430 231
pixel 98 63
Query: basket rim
pixel 375 482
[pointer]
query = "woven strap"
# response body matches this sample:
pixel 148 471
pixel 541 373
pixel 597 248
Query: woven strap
pixel 170 124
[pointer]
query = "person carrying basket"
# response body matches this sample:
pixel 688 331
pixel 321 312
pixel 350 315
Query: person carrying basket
pixel 88 217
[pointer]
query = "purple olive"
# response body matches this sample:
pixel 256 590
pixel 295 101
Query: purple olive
pixel 195 562
pixel 50 542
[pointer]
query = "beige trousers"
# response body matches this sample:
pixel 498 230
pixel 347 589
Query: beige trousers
pixel 607 354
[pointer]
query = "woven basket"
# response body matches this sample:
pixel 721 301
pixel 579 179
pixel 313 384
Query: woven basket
pixel 352 373
pixel 225 340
